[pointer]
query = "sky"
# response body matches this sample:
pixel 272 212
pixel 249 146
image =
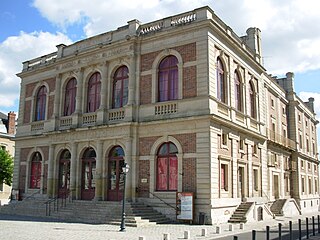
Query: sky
pixel 31 28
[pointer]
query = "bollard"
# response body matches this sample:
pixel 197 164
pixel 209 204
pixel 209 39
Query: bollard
pixel 268 233
pixel 280 231
pixel 235 237
pixel 254 234
pixel 218 229
pixel 186 234
pixel 166 236
pixel 290 230
pixel 204 232
pixel 318 224
pixel 307 227
pixel 231 227
pixel 142 238
pixel 299 224
pixel 313 228
pixel 241 226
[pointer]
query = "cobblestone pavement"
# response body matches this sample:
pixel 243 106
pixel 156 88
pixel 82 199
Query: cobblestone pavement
pixel 31 228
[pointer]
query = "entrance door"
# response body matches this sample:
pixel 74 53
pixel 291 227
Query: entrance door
pixel 241 186
pixel 64 174
pixel 115 174
pixel 276 186
pixel 88 184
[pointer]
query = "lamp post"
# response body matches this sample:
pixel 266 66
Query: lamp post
pixel 125 170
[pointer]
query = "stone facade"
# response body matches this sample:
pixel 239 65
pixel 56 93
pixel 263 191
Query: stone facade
pixel 230 138
pixel 7 133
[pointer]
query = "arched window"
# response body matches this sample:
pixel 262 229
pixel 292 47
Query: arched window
pixel 70 97
pixel 120 87
pixel 35 173
pixel 221 86
pixel 252 96
pixel 237 91
pixel 168 79
pixel 41 104
pixel 94 88
pixel 167 168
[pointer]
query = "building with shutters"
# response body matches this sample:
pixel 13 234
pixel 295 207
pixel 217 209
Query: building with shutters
pixel 186 103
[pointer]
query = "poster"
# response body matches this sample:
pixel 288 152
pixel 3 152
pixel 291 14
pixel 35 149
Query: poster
pixel 184 206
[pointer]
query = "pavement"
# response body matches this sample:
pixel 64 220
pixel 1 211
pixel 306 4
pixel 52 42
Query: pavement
pixel 36 228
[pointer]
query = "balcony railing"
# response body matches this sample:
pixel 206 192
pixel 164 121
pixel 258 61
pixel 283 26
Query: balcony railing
pixel 277 138
pixel 66 121
pixel 37 126
pixel 167 108
pixel 116 114
pixel 89 118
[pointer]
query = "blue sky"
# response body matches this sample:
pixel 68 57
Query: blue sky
pixel 31 28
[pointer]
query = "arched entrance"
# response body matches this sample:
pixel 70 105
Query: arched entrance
pixel 64 174
pixel 167 168
pixel 115 174
pixel 35 174
pixel 88 183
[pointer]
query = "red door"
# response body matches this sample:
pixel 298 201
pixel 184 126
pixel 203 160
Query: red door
pixel 88 178
pixel 115 179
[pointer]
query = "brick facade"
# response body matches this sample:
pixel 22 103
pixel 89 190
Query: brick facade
pixel 27 111
pixel 190 82
pixel 144 173
pixel 22 179
pixel 145 89
pixel 189 178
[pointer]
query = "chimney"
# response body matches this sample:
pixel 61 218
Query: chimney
pixel 11 123
pixel 310 104
pixel 253 41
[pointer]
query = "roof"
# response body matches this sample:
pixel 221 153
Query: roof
pixel 3 116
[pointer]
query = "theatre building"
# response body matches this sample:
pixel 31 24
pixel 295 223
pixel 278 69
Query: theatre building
pixel 186 103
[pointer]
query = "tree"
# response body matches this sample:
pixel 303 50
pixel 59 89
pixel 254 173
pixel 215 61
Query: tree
pixel 6 167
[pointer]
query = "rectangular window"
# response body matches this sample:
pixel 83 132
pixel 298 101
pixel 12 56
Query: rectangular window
pixel 302 164
pixel 300 141
pixel 241 144
pixel 302 185
pixel 272 102
pixel 224 139
pixel 286 183
pixel 310 186
pixel 224 177
pixel 316 185
pixel 255 179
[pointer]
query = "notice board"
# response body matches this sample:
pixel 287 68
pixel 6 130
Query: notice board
pixel 184 208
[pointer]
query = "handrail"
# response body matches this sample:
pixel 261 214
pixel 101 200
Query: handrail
pixel 63 197
pixel 32 194
pixel 168 204
pixel 263 194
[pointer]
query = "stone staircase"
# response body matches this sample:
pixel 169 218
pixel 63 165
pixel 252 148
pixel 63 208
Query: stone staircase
pixel 277 206
pixel 239 216
pixel 92 212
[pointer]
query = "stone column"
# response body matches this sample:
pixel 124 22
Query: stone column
pixel 56 109
pixel 130 180
pixel 80 87
pixel 103 94
pixel 51 173
pixel 73 171
pixel 132 81
pixel 249 173
pixel 234 167
pixel 98 176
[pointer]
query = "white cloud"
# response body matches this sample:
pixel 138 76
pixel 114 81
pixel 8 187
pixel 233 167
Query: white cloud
pixel 290 37
pixel 17 49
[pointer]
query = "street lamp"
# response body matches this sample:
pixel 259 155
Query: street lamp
pixel 125 170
